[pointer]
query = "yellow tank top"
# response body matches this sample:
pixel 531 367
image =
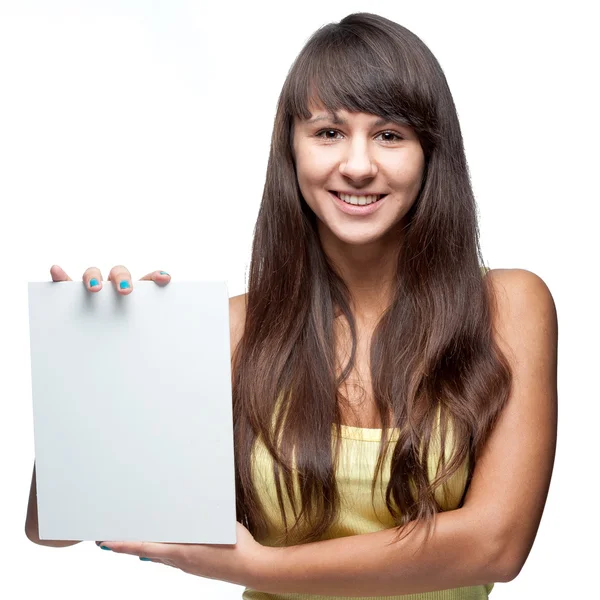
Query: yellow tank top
pixel 354 473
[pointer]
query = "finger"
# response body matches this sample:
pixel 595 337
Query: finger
pixel 58 274
pixel 159 277
pixel 170 554
pixel 121 278
pixel 92 279
pixel 156 560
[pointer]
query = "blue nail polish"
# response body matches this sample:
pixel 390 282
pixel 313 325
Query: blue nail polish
pixel 93 282
pixel 163 273
pixel 105 548
pixel 142 558
pixel 124 284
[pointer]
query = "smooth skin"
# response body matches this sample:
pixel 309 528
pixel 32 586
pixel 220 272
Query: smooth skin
pixel 355 152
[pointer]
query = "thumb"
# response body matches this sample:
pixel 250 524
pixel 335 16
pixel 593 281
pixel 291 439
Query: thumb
pixel 58 274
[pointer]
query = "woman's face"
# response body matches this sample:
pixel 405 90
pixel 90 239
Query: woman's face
pixel 360 155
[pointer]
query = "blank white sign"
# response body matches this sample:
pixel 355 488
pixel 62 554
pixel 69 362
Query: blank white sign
pixel 132 411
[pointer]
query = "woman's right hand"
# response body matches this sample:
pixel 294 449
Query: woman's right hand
pixel 119 275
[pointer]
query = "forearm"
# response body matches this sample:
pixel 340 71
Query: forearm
pixel 455 555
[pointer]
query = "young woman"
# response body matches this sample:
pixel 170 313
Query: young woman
pixel 394 404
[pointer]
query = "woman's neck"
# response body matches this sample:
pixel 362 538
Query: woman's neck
pixel 369 272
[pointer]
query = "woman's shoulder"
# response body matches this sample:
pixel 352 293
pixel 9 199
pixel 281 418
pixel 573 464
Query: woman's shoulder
pixel 237 318
pixel 521 296
pixel 515 279
pixel 517 287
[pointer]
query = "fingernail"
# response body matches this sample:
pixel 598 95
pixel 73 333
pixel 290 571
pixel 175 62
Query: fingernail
pixel 105 548
pixel 142 558
pixel 124 285
pixel 93 282
pixel 163 273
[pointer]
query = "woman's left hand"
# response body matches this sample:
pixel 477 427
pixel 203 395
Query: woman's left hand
pixel 239 563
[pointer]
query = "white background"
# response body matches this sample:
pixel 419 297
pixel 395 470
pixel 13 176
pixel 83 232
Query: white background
pixel 137 133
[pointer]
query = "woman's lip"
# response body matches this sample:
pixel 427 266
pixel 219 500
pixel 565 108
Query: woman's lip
pixel 352 209
pixel 353 194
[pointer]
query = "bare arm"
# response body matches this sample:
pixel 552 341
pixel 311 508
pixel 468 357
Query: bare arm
pixel 31 523
pixel 456 555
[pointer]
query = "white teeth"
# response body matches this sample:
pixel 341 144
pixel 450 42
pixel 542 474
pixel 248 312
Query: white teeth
pixel 359 200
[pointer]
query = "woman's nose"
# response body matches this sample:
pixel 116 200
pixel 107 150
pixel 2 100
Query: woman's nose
pixel 357 163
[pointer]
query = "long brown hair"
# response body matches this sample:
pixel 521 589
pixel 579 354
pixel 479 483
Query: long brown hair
pixel 432 352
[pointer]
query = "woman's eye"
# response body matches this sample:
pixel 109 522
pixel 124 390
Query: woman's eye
pixel 320 134
pixel 391 133
pixel 391 136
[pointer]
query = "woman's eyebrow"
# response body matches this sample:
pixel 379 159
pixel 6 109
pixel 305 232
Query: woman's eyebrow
pixel 334 118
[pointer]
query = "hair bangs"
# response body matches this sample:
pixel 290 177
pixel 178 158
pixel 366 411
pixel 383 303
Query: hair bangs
pixel 344 71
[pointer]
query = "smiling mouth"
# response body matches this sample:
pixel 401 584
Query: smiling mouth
pixel 358 199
